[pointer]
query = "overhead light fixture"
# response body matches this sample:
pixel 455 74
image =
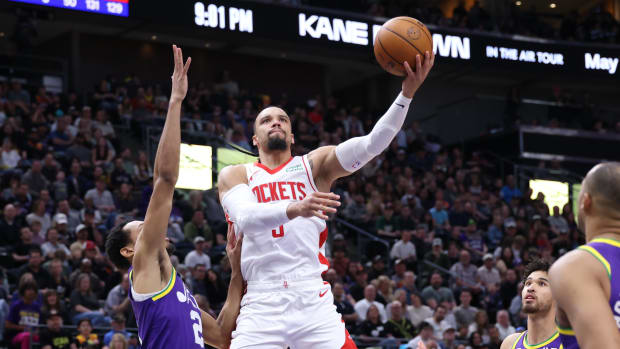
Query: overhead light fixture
pixel 552 5
pixel 154 37
pixel 1 34
pixel 208 44
pixel 518 3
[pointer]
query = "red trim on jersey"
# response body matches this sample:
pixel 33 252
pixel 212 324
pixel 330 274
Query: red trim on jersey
pixel 323 261
pixel 307 173
pixel 348 341
pixel 275 170
pixel 323 237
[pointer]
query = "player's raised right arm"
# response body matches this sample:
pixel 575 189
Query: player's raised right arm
pixel 243 209
pixel 165 169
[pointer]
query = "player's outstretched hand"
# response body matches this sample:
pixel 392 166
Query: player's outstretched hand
pixel 179 76
pixel 414 79
pixel 233 248
pixel 316 204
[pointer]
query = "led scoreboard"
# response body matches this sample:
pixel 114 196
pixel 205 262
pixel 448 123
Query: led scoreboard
pixel 105 7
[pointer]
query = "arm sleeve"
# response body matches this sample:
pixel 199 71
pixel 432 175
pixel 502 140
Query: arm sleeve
pixel 356 152
pixel 250 216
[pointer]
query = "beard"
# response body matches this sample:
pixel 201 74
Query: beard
pixel 536 308
pixel 276 143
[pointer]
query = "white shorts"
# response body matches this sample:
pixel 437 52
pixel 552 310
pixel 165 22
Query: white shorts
pixel 295 314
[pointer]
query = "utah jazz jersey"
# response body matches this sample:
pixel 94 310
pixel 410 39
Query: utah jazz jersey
pixel 607 251
pixel 551 343
pixel 169 318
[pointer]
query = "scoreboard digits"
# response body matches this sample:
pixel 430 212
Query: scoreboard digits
pixel 105 7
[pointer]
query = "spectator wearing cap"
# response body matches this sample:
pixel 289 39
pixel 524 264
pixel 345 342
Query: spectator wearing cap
pixel 339 242
pixel 51 244
pixel 387 224
pixel 435 293
pixel 344 306
pixel 436 256
pixel 101 197
pixel 198 227
pixel 378 267
pixel 464 313
pixel 400 267
pixel 488 273
pixel 510 190
pixel 118 326
pixel 465 274
pixel 449 339
pixel 503 324
pixel 62 222
pixel 398 326
pixel 361 307
pixel 117 301
pixel 426 336
pixel 404 249
pixel 198 256
pixel 54 336
pixel 35 179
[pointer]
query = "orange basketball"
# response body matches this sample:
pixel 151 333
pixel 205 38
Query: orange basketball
pixel 400 39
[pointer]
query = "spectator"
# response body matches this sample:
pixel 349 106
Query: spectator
pixel 385 291
pixel 35 259
pixel 435 293
pixel 9 226
pixel 378 267
pixel 39 214
pixel 24 313
pixel 22 248
pixel 362 306
pixel 118 327
pixel 388 224
pixel 60 139
pixel 197 283
pixel 503 324
pixel 398 326
pixel 495 341
pixel 198 227
pixel 125 202
pixel 85 306
pixel 101 197
pixel 10 156
pixel 344 306
pixel 510 190
pixel 119 341
pixel 438 322
pixel 465 313
pixel 371 326
pixel 418 312
pixel 435 256
pixel 85 338
pixel 339 262
pixel 59 281
pixel 488 274
pixel 53 304
pixel 399 273
pixel 449 339
pixel 404 249
pixel 440 216
pixel 355 211
pixel 55 336
pixel 117 301
pixel 52 244
pixel 480 325
pixel 426 336
pixel 464 274
pixel 357 290
pixel 197 256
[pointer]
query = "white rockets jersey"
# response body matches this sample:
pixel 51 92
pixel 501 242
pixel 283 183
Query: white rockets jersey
pixel 295 250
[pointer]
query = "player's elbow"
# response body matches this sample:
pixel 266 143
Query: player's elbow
pixel 166 178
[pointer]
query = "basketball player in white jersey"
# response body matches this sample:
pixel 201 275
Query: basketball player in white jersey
pixel 280 204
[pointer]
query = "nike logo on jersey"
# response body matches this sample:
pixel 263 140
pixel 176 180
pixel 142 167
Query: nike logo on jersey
pixel 400 105
pixel 323 293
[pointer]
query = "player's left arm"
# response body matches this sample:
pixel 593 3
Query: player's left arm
pixel 218 332
pixel 577 283
pixel 332 162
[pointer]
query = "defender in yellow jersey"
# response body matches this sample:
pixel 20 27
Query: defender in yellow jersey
pixel 586 281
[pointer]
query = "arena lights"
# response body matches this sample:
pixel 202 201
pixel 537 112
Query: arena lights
pixel 552 5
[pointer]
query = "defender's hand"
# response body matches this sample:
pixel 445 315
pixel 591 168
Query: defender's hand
pixel 414 80
pixel 314 205
pixel 179 77
pixel 233 248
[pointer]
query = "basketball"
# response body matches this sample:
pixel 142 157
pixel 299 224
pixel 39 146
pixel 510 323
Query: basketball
pixel 400 39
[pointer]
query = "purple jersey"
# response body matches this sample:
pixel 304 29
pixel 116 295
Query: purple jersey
pixel 606 251
pixel 168 319
pixel 552 343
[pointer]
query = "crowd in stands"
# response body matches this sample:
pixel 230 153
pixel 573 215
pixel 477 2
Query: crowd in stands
pixel 596 25
pixel 459 232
